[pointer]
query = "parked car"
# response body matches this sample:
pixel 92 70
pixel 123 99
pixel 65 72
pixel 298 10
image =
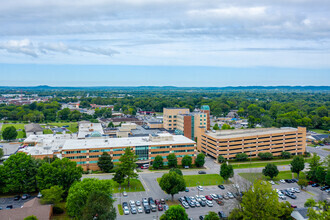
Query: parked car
pixel 125 194
pixel 9 207
pixel 25 196
pixel 209 203
pixel 201 217
pixel 126 210
pixel 145 166
pixel 293 206
pixel 272 182
pixel 185 205
pixel 220 197
pixel 226 197
pixel 297 190
pixel 221 203
pixel 147 209
pixel 39 195
pixel 157 202
pixel 139 209
pixel 166 207
pixel 160 207
pixel 192 204
pixel 187 189
pixel 230 195
pixel 208 197
pixel 282 181
pixel 198 198
pixel 203 204
pixel 221 186
pixel 315 185
pixel 327 190
pixel 16 198
pixel 137 203
pixel 162 201
pixel 222 214
pixel 197 204
pixel 311 182
pixel 201 172
pixel 131 203
pixel 281 196
pixel 214 196
pixel 202 198
pixel 200 188
pixel 133 210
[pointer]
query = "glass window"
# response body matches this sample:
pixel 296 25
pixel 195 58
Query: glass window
pixel 142 152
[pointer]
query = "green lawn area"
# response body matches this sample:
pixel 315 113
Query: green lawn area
pixel 253 176
pixel 263 164
pixel 47 131
pixel 320 131
pixel 120 209
pixel 17 126
pixel 327 149
pixel 73 126
pixel 135 186
pixel 203 180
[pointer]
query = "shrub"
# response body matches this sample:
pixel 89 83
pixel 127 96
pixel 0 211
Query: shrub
pixel 285 155
pixel 57 210
pixel 241 157
pixel 265 156
pixel 221 159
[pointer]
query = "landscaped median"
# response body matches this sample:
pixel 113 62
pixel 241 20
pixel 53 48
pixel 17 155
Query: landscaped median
pixel 253 176
pixel 202 179
pixel 134 186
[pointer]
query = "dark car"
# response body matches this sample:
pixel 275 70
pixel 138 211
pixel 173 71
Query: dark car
pixel 125 204
pixel 311 183
pixel 157 202
pixel 16 198
pixel 151 201
pixel 324 188
pixel 203 204
pixel 147 209
pixel 187 190
pixel 294 180
pixel 221 186
pixel 315 185
pixel 160 207
pixel 201 217
pixel 201 172
pixel 220 197
pixel 222 214
pixel 9 207
pixel 25 196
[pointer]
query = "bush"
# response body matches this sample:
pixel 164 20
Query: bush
pixel 241 157
pixel 265 156
pixel 285 155
pixel 307 154
pixel 221 159
pixel 57 210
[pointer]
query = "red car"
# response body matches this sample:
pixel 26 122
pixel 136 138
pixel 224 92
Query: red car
pixel 311 182
pixel 160 207
pixel 208 197
pixel 293 206
pixel 157 202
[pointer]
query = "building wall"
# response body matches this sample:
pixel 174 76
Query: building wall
pixel 293 142
pixel 155 125
pixel 200 119
pixel 208 124
pixel 170 117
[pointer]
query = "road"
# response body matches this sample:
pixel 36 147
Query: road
pixel 322 153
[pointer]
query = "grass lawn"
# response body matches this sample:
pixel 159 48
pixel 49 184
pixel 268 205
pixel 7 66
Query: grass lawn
pixel 120 209
pixel 253 176
pixel 17 126
pixel 320 131
pixel 135 186
pixel 263 164
pixel 73 126
pixel 47 131
pixel 62 216
pixel 203 179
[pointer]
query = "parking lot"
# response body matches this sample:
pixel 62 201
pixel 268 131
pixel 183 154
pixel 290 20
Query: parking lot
pixel 4 202
pixel 192 212
pixel 310 191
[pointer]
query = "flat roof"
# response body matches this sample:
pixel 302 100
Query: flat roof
pixel 123 142
pixel 176 108
pixel 237 133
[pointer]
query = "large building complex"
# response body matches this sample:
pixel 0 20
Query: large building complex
pixel 87 151
pixel 170 117
pixel 228 143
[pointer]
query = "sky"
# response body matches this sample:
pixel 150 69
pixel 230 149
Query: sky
pixel 164 42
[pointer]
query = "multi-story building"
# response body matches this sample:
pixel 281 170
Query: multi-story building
pixel 87 151
pixel 187 124
pixel 170 117
pixel 229 143
pixel 206 109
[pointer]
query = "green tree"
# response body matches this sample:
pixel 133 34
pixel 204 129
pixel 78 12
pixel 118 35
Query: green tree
pixel 172 160
pixel 79 193
pixel 323 211
pixel 31 217
pixel 53 195
pixel 216 127
pixel 172 183
pixel 270 170
pixel 271 208
pixel 128 164
pixel 327 177
pixel 61 172
pixel 99 204
pixel 186 161
pixel 175 212
pixel 9 133
pixel 297 164
pixel 285 155
pixel 200 160
pixel 314 163
pixel 226 171
pixel 302 182
pixel 322 111
pixel 221 159
pixel 265 156
pixel 241 157
pixel 176 170
pixel 111 125
pixel 119 176
pixel 236 214
pixel 320 174
pixel 20 172
pixel 105 162
pixel 212 216
pixel 64 114
pixel 158 162
pixel 310 202
pixel 267 121
pixel 226 127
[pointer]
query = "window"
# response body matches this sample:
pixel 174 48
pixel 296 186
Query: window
pixel 94 161
pixel 93 151
pixel 160 152
pixel 170 120
pixel 142 152
pixel 105 150
pixel 169 124
pixel 170 116
pixel 174 116
pixel 117 155
pixel 118 149
pixel 94 156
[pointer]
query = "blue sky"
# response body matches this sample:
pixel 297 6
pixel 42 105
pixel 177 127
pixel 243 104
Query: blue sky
pixel 242 42
pixel 106 75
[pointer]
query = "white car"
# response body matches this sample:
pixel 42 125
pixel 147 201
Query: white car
pixel 198 198
pixel 281 196
pixel 39 195
pixel 209 203
pixel 200 188
pixel 126 210
pixel 296 190
pixel 131 203
pixel 214 196
pixel 272 182
pixel 140 209
pixel 202 198
pixel 197 204
pixel 282 181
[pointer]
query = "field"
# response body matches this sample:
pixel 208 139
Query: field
pixel 73 126
pixel 320 131
pixel 17 126
pixel 202 179
pixel 253 176
pixel 263 164
pixel 135 186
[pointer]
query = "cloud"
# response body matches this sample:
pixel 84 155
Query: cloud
pixel 35 49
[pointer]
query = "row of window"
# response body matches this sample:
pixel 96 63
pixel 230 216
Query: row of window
pixel 75 152
pixel 77 157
